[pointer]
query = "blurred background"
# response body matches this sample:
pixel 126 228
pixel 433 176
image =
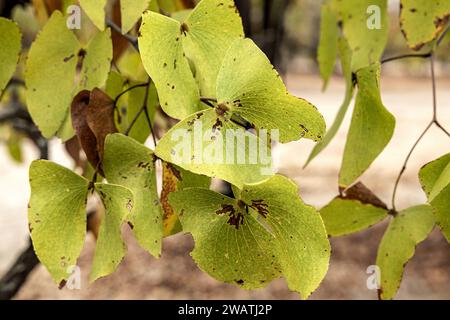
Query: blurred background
pixel 288 31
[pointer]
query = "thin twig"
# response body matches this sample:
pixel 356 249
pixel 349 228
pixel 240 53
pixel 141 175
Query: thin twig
pixel 442 36
pixel 127 36
pixel 405 56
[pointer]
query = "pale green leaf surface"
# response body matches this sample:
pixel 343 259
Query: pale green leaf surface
pixel 10 38
pixel 303 249
pixel 371 128
pixel 423 20
pixel 344 216
pixel 328 42
pixel 97 62
pixel 405 232
pixel 434 178
pixel 241 255
pixel 345 55
pixel 131 11
pixel 249 86
pixel 167 65
pixel 367 44
pixel 110 249
pixel 130 164
pixel 57 216
pixel 211 28
pixel 51 64
pixel 201 144
pixel 95 9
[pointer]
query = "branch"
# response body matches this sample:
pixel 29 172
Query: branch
pixel 406 56
pixel 132 40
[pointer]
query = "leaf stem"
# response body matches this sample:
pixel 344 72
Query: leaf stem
pixel 132 40
pixel 405 56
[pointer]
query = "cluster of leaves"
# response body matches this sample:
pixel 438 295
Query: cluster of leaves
pixel 196 66
pixel 345 34
pixel 199 68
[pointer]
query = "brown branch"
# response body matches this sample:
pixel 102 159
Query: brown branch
pixel 132 40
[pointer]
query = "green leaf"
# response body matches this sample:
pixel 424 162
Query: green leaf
pixel 253 240
pixel 328 42
pixel 367 44
pixel 249 86
pixel 435 180
pixel 110 249
pixel 97 62
pixel 10 38
pixel 209 31
pixel 405 232
pixel 371 128
pixel 303 247
pixel 95 9
pixel 57 216
pixel 51 64
pixel 131 11
pixel 130 164
pixel 242 255
pixel 342 216
pixel 345 55
pixel 167 65
pixel 422 20
pixel 211 144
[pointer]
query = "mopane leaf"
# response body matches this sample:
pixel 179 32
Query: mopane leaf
pixel 355 210
pixel 51 64
pixel 97 62
pixel 10 38
pixel 249 86
pixel 423 20
pixel 252 240
pixel 371 128
pixel 230 244
pixel 110 248
pixel 303 249
pixel 209 143
pixel 406 230
pixel 173 179
pixel 130 164
pixel 366 27
pixel 167 65
pixel 95 9
pixel 328 43
pixel 131 11
pixel 57 216
pixel 435 180
pixel 207 33
pixel 346 57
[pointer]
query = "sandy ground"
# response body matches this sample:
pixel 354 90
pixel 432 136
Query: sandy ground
pixel 175 276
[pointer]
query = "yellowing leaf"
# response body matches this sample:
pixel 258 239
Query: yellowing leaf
pixel 435 180
pixel 208 32
pixel 51 65
pixel 371 128
pixel 110 249
pixel 249 86
pixel 211 144
pixel 10 38
pixel 97 62
pixel 57 216
pixel 167 65
pixel 131 11
pixel 328 43
pixel 367 44
pixel 405 232
pixel 130 164
pixel 95 9
pixel 423 20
